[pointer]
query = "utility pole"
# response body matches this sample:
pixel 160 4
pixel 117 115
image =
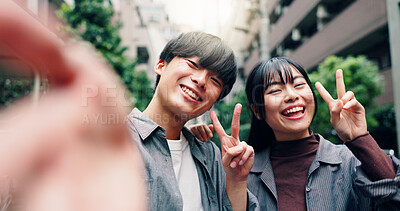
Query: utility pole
pixel 393 13
pixel 264 31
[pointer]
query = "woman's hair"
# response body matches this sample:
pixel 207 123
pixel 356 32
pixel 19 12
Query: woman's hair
pixel 261 135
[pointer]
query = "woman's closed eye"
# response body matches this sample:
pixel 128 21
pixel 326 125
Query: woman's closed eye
pixel 299 85
pixel 273 91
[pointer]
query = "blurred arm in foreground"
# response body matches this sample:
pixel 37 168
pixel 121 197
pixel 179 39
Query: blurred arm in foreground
pixel 61 155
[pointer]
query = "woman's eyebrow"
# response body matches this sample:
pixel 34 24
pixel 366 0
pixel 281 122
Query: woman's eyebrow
pixel 296 77
pixel 275 83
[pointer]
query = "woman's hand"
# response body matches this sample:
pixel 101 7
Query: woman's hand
pixel 202 131
pixel 347 114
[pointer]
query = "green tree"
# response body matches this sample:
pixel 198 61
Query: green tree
pixel 385 133
pixel 360 76
pixel 92 20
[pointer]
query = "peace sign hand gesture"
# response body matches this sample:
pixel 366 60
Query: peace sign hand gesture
pixel 237 156
pixel 347 114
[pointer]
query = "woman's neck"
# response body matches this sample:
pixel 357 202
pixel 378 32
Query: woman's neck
pixel 289 136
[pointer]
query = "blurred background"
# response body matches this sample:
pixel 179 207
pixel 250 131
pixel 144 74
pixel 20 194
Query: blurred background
pixel 362 37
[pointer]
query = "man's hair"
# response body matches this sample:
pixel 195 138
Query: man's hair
pixel 213 53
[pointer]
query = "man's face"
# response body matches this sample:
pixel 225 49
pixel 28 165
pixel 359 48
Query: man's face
pixel 185 88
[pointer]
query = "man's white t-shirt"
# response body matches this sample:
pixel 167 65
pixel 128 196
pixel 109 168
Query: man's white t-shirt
pixel 186 173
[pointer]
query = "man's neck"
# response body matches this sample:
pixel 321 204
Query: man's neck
pixel 172 123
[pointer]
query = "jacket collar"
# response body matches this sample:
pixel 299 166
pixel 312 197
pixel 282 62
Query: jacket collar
pixel 143 124
pixel 197 147
pixel 262 164
pixel 261 159
pixel 325 152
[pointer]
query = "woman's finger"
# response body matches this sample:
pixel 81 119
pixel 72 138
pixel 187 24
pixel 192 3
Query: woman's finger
pixel 340 87
pixel 203 132
pixel 335 108
pixel 347 97
pixel 209 130
pixel 351 104
pixel 195 132
pixel 324 93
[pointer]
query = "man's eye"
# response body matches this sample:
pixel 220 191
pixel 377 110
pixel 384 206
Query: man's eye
pixel 216 81
pixel 193 64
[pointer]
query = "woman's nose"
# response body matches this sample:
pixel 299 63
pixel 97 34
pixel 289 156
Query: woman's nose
pixel 291 95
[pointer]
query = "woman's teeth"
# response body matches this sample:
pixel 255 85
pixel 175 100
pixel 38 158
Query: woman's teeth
pixel 190 93
pixel 294 110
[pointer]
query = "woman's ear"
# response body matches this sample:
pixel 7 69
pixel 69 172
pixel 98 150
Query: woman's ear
pixel 160 66
pixel 255 112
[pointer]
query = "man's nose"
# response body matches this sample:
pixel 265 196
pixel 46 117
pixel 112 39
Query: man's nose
pixel 200 78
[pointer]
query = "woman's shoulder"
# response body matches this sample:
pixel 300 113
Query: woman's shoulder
pixel 340 150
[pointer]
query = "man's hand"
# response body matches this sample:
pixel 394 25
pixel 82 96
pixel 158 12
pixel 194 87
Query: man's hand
pixel 237 159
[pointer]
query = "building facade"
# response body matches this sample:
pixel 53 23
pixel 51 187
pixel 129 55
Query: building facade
pixel 310 30
pixel 145 31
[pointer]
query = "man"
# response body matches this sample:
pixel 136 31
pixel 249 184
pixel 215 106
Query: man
pixel 194 71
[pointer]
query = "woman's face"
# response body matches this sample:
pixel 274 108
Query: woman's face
pixel 289 107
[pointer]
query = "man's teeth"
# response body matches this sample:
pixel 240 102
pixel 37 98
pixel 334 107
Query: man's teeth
pixel 190 93
pixel 293 110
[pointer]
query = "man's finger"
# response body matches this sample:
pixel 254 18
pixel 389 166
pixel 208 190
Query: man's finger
pixel 249 152
pixel 235 126
pixel 231 153
pixel 324 93
pixel 217 126
pixel 340 87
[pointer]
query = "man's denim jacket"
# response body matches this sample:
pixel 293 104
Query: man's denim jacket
pixel 163 190
pixel 335 181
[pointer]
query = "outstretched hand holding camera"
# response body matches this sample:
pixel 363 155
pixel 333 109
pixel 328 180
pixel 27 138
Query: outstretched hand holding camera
pixel 57 161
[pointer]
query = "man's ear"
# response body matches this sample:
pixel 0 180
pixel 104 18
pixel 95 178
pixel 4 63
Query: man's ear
pixel 160 66
pixel 255 112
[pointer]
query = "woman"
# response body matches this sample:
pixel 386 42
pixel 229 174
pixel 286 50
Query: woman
pixel 297 169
